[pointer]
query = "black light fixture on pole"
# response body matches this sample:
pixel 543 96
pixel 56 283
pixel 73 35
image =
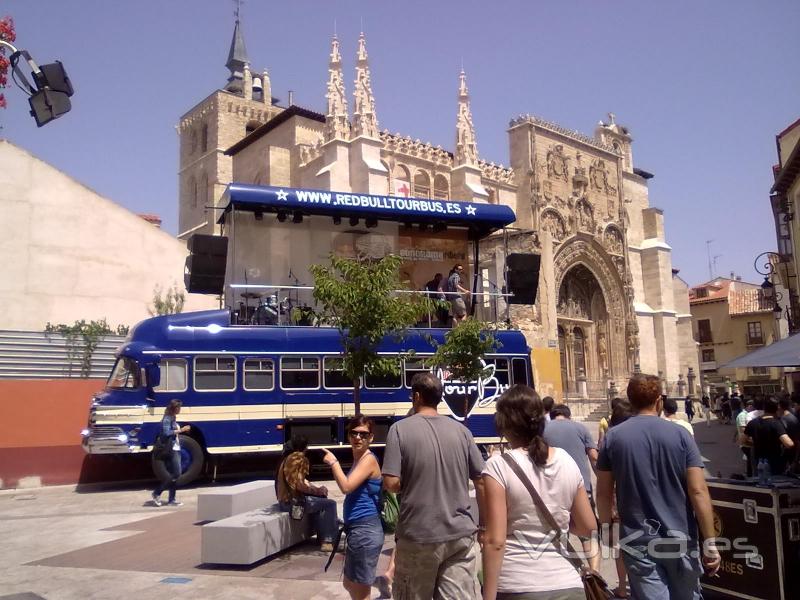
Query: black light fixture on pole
pixel 768 291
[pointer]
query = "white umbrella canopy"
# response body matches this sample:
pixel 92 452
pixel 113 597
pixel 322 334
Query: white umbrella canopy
pixel 783 353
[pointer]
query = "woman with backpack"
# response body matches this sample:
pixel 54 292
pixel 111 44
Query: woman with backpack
pixel 362 519
pixel 168 448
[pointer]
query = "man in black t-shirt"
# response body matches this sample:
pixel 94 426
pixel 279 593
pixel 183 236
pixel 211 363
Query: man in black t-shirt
pixel 792 425
pixel 768 436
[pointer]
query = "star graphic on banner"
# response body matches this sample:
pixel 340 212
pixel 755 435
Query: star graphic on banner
pixel 471 210
pixel 282 195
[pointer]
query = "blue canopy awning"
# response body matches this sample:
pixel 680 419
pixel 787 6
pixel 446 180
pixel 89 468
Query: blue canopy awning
pixel 783 353
pixel 479 219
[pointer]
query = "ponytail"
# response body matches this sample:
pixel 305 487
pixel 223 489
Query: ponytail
pixel 520 414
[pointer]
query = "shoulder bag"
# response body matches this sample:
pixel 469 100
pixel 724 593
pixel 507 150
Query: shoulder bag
pixel 594 586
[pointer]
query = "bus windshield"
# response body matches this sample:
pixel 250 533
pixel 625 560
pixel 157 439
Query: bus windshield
pixel 125 374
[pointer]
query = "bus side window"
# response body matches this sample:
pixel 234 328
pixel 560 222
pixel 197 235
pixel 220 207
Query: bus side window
pixel 500 369
pixel 333 377
pixel 412 367
pixel 259 374
pixel 391 382
pixel 299 373
pixel 173 375
pixel 519 371
pixel 215 373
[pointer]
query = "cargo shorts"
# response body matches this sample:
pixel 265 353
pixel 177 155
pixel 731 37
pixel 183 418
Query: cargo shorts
pixel 439 571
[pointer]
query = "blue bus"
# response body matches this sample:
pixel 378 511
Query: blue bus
pixel 251 377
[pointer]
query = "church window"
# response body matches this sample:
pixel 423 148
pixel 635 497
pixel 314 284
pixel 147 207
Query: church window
pixel 193 145
pixel 204 139
pixel 422 185
pixel 402 182
pixel 193 193
pixel 202 190
pixel 441 188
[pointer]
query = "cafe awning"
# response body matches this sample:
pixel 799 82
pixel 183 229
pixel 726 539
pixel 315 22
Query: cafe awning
pixel 783 353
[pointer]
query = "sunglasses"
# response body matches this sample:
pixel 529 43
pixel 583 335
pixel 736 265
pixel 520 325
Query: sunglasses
pixel 360 434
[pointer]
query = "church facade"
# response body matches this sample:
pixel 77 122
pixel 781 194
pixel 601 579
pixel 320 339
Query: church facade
pixel 609 301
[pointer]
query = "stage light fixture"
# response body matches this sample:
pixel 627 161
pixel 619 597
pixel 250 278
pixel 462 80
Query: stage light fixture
pixel 423 227
pixel 297 217
pixel 353 221
pixel 281 216
pixel 337 220
pixel 438 227
pixel 259 215
pixel 371 222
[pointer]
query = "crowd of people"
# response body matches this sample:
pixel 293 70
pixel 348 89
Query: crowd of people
pixel 531 492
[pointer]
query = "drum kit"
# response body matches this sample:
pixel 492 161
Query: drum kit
pixel 268 310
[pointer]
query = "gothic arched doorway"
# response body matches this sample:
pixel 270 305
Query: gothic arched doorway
pixel 583 329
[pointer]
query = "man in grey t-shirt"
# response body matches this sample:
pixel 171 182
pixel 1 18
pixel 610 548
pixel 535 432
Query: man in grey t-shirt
pixel 562 432
pixel 429 460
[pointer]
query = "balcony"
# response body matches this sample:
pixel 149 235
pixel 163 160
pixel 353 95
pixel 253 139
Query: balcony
pixel 710 365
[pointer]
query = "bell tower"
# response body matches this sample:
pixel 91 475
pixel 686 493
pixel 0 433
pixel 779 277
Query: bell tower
pixel 212 126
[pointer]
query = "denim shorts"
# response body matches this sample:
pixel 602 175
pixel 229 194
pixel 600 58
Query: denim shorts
pixel 364 545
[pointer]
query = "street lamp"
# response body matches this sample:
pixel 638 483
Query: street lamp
pixel 768 291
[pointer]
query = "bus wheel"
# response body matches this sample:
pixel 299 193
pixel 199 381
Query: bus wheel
pixel 192 460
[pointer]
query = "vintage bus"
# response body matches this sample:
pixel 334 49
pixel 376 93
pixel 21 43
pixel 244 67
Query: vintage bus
pixel 249 383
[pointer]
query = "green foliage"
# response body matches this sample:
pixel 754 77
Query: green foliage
pixel 463 348
pixel 358 295
pixel 170 304
pixel 82 339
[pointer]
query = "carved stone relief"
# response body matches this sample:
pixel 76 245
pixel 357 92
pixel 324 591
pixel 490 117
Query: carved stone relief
pixel 613 241
pixel 599 177
pixel 557 162
pixel 551 221
pixel 585 216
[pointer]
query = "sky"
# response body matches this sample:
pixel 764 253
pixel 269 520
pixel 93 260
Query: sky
pixel 704 87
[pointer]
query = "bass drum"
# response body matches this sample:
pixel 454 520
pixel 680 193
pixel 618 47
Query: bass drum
pixel 192 460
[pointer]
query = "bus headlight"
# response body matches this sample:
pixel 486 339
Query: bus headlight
pixel 122 437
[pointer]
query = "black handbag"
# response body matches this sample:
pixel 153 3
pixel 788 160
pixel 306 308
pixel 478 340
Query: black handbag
pixel 162 447
pixel 594 586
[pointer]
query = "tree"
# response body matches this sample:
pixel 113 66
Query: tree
pixel 7 34
pixel 461 353
pixel 359 294
pixel 170 304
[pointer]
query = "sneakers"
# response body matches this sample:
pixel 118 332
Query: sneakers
pixel 326 547
pixel 174 503
pixel 156 500
pixel 384 586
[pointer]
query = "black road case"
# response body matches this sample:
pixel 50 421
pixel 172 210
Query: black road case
pixel 759 532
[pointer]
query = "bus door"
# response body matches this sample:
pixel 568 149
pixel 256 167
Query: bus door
pixel 314 390
pixel 261 411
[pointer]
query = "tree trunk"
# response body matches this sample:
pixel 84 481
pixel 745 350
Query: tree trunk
pixel 357 395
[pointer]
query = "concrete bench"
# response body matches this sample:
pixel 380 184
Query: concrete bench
pixel 220 503
pixel 249 537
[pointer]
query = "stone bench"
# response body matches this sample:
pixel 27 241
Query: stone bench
pixel 246 538
pixel 220 503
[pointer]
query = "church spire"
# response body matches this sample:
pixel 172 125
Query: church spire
pixel 237 59
pixel 336 124
pixel 466 146
pixel 365 121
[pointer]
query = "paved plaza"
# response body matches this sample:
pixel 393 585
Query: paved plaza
pixel 62 543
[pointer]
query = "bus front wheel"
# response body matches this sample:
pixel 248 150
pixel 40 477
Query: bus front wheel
pixel 192 460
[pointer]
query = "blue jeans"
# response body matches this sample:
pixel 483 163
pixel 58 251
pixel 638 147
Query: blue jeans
pixel 674 578
pixel 173 465
pixel 322 512
pixel 364 545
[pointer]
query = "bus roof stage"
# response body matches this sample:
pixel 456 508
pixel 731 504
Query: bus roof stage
pixel 480 219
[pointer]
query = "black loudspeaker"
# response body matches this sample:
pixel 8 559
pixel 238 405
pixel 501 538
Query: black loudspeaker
pixel 205 265
pixel 523 277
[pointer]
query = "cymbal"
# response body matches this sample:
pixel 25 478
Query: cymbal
pixel 251 295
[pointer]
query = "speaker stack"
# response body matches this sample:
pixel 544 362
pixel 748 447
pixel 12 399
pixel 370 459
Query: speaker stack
pixel 522 277
pixel 205 265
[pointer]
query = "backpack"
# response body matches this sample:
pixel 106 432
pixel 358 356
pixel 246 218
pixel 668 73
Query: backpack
pixel 390 511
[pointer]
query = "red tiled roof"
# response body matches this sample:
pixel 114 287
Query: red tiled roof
pixel 748 301
pixel 717 290
pixel 150 218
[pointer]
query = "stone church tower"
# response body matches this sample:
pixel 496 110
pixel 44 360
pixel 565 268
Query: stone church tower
pixel 211 127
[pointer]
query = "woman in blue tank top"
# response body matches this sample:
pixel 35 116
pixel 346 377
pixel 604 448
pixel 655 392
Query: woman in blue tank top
pixel 362 521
